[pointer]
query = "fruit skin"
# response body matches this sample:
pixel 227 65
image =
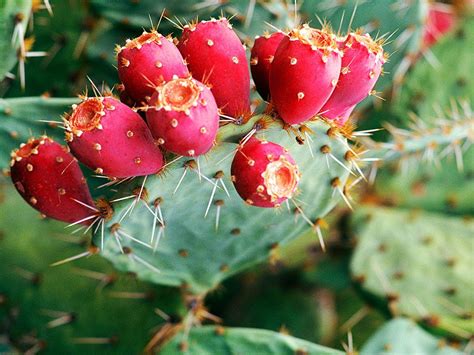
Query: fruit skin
pixel 361 67
pixel 304 73
pixel 264 173
pixel 110 138
pixel 216 57
pixel 262 54
pixel 48 177
pixel 146 61
pixel 440 20
pixel 183 117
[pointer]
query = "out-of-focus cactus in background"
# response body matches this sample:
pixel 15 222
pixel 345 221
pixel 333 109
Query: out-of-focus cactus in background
pixel 371 253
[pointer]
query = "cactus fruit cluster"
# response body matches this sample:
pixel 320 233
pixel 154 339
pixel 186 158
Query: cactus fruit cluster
pixel 183 113
pixel 193 186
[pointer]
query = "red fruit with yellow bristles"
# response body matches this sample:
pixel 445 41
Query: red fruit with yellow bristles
pixel 183 117
pixel 261 58
pixel 49 178
pixel 264 173
pixel 361 67
pixel 110 138
pixel 216 57
pixel 146 62
pixel 304 73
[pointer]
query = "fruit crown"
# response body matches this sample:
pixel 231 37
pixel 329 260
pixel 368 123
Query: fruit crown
pixel 373 45
pixel 323 39
pixel 28 148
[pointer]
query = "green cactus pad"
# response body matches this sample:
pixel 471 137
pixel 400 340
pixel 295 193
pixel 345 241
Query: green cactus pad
pixel 431 88
pixel 431 188
pixel 419 264
pixel 403 336
pixel 20 118
pixel 61 72
pixel 31 291
pixel 431 165
pixel 192 252
pixel 226 341
pixel 10 11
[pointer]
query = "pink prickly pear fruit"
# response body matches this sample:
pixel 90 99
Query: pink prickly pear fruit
pixel 440 20
pixel 304 73
pixel 264 173
pixel 261 58
pixel 145 62
pixel 110 138
pixel 361 67
pixel 183 117
pixel 216 57
pixel 49 178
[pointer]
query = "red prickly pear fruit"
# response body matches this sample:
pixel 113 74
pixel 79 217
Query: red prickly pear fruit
pixel 145 62
pixel 49 178
pixel 361 67
pixel 110 138
pixel 216 57
pixel 264 173
pixel 183 117
pixel 440 20
pixel 304 73
pixel 261 58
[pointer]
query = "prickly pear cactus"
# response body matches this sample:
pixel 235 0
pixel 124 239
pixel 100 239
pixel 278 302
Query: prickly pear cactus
pixel 37 313
pixel 446 76
pixel 443 180
pixel 220 340
pixel 403 336
pixel 14 17
pixel 180 250
pixel 430 188
pixel 417 264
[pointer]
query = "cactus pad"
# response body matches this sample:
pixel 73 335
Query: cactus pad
pixel 200 252
pixel 219 340
pixel 419 263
